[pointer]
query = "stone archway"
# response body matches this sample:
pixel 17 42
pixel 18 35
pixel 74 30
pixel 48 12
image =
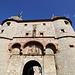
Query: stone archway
pixel 32 68
pixel 50 60
pixel 16 49
pixel 33 48
pixel 51 49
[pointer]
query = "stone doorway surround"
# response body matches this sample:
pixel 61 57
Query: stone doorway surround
pixel 32 68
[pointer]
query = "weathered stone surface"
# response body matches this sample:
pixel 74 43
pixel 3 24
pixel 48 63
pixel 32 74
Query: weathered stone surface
pixel 52 48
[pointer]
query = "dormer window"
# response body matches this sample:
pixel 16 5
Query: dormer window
pixel 41 34
pixel 66 22
pixel 8 23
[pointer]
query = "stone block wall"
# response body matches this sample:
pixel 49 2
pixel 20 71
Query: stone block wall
pixel 49 65
pixel 4 56
pixel 57 31
pixel 62 29
pixel 65 60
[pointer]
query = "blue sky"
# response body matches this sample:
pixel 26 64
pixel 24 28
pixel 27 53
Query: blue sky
pixel 37 9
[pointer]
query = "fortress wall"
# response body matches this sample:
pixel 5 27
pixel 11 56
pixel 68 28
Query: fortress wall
pixel 62 29
pixel 56 32
pixel 4 56
pixel 65 60
pixel 20 30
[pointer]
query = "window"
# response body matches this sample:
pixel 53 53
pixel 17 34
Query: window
pixel 25 24
pixel 62 30
pixel 27 34
pixel 71 45
pixel 8 23
pixel 41 34
pixel 44 23
pixel 2 31
pixel 66 22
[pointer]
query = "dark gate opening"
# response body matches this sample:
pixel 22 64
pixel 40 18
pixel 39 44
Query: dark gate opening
pixel 28 68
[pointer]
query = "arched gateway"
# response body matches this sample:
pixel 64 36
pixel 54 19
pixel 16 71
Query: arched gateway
pixel 32 68
pixel 32 59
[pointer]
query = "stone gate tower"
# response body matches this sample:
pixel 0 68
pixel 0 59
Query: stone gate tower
pixel 37 47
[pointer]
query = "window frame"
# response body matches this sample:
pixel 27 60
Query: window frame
pixel 41 33
pixel 25 24
pixel 27 35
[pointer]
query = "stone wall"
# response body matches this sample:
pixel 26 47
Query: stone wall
pixel 65 60
pixel 57 32
pixel 4 56
pixel 66 45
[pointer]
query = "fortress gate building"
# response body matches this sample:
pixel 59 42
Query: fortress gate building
pixel 37 47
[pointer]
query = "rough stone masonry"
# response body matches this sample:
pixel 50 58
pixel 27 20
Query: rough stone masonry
pixel 37 47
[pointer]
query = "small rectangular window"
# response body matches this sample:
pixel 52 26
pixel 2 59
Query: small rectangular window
pixel 41 34
pixel 62 30
pixel 44 23
pixel 1 31
pixel 25 24
pixel 27 34
pixel 71 46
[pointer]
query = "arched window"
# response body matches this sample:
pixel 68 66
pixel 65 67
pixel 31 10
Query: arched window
pixel 33 48
pixel 50 49
pixel 16 48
